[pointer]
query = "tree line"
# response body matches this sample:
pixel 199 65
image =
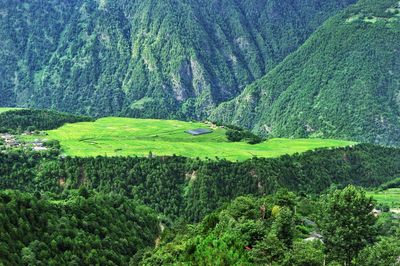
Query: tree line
pixel 18 121
pixel 189 189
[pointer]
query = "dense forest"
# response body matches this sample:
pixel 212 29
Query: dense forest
pixel 343 82
pixel 186 188
pixel 83 227
pixel 18 121
pixel 80 229
pixel 276 230
pixel 138 211
pixel 146 58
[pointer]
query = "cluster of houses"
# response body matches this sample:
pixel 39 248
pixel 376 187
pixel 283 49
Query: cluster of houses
pixel 10 142
pixel 38 145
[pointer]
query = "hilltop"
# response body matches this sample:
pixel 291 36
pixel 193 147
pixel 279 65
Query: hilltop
pixel 342 83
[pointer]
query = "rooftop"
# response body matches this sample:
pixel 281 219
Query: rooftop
pixel 199 131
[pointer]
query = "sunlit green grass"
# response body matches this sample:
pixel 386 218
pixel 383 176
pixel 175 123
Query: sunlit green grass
pixel 6 109
pixel 390 197
pixel 124 136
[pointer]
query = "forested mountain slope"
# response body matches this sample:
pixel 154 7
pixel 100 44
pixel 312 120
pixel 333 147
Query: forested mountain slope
pixel 180 187
pixel 82 229
pixel 146 58
pixel 344 82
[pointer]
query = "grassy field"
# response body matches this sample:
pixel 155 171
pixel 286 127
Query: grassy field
pixel 125 136
pixel 6 109
pixel 390 197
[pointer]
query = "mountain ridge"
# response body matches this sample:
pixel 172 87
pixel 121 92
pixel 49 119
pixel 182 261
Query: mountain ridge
pixel 164 59
pixel 343 82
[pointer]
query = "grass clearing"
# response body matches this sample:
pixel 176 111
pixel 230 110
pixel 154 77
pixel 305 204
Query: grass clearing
pixel 353 18
pixel 371 19
pixel 140 103
pixel 113 136
pixel 6 109
pixel 390 197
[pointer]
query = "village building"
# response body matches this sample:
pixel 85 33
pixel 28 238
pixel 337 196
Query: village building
pixel 10 141
pixel 39 148
pixel 314 236
pixel 199 131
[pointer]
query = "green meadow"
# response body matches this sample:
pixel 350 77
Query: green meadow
pixel 390 197
pixel 6 109
pixel 125 136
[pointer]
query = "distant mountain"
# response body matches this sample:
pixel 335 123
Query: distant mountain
pixel 146 58
pixel 344 82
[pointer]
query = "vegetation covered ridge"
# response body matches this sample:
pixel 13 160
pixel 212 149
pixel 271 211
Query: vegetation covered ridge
pixel 143 58
pixel 192 188
pixel 343 82
pixel 14 120
pixel 7 109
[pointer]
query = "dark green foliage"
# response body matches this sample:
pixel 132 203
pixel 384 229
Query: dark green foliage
pixel 391 184
pixel 342 83
pixel 235 237
pixel 347 223
pixel 268 250
pixel 182 187
pixel 264 231
pixel 305 254
pixel 146 58
pixel 388 224
pixel 384 252
pixel 283 228
pixel 52 144
pixel 83 211
pixel 249 231
pixel 93 230
pixel 31 120
pixel 236 135
pixel 156 182
pixel 311 172
pixel 29 32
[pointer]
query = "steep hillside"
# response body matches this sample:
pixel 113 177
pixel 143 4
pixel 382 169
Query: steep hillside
pixel 146 58
pixel 344 82
pixel 82 229
pixel 29 33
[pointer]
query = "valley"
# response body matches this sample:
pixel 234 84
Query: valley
pixel 224 132
pixel 144 185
